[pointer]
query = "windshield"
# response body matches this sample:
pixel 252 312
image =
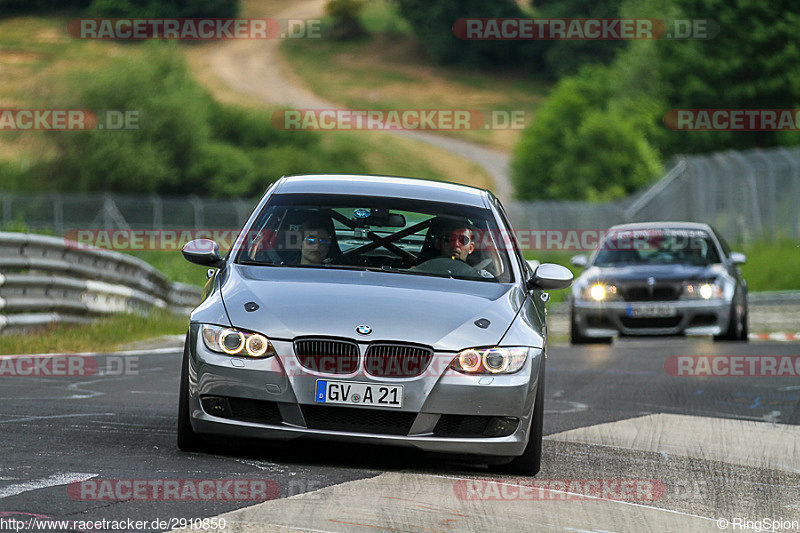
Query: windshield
pixel 657 247
pixel 374 233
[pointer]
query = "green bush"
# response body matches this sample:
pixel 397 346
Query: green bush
pixel 344 15
pixel 186 142
pixel 565 57
pixel 596 136
pixel 432 22
pixel 126 8
pixel 164 8
pixel 14 7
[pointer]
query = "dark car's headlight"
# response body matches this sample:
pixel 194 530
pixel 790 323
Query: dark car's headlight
pixel 234 341
pixel 600 292
pixel 701 291
pixel 490 360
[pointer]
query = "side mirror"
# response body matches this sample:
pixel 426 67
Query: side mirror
pixel 579 261
pixel 738 259
pixel 550 276
pixel 204 252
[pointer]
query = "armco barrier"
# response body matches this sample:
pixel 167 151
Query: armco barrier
pixel 45 280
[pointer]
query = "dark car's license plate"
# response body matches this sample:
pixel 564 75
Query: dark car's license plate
pixel 652 310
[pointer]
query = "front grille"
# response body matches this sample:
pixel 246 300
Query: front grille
pixel 329 356
pixel 397 360
pixel 662 293
pixel 654 322
pixel 358 420
pixel 461 426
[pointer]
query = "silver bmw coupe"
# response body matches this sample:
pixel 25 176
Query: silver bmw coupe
pixel 373 309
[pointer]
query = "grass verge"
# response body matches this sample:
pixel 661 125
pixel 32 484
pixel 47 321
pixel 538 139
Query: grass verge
pixel 174 266
pixel 105 334
pixel 772 266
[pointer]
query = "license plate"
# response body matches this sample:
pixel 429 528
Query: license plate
pixel 654 310
pixel 351 393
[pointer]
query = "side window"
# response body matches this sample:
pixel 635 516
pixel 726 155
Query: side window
pixel 725 248
pixel 517 252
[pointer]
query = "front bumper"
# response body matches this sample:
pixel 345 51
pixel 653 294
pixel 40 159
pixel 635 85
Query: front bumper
pixel 282 386
pixel 607 319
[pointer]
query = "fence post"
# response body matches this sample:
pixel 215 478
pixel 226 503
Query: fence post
pixel 770 203
pixel 198 211
pixel 58 214
pixel 7 203
pixel 794 165
pixel 158 212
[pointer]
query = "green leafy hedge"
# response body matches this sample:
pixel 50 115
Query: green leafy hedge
pixel 186 142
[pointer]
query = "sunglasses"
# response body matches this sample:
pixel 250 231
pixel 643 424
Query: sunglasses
pixel 459 240
pixel 322 241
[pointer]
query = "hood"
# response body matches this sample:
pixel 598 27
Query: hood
pixel 438 312
pixel 658 272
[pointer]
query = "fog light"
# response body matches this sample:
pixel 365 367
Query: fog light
pixel 216 406
pixel 501 426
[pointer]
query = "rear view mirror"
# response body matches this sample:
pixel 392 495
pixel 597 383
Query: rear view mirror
pixel 738 259
pixel 204 252
pixel 550 276
pixel 384 219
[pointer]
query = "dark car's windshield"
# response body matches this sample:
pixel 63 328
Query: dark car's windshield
pixel 657 247
pixel 376 233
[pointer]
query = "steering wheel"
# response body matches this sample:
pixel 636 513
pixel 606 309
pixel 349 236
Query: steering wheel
pixel 447 266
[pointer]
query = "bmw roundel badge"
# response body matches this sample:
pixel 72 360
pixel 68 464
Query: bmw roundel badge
pixel 363 329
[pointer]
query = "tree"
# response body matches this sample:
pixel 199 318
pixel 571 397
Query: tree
pixel 565 57
pixel 753 63
pixel 432 22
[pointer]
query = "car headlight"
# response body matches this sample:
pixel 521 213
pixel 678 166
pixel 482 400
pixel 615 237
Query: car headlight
pixel 600 292
pixel 490 360
pixel 701 291
pixel 233 341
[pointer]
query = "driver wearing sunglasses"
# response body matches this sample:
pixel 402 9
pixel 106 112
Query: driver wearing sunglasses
pixel 455 242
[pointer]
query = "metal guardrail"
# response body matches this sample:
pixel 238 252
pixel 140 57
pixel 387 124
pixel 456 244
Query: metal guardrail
pixel 46 280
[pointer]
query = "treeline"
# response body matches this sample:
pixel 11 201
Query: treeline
pixel 125 8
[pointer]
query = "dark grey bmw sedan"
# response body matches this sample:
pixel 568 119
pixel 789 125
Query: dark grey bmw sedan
pixel 660 278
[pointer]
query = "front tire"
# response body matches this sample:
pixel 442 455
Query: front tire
pixel 530 462
pixel 575 336
pixel 737 326
pixel 188 440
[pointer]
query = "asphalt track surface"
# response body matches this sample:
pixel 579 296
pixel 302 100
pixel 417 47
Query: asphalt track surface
pixel 721 447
